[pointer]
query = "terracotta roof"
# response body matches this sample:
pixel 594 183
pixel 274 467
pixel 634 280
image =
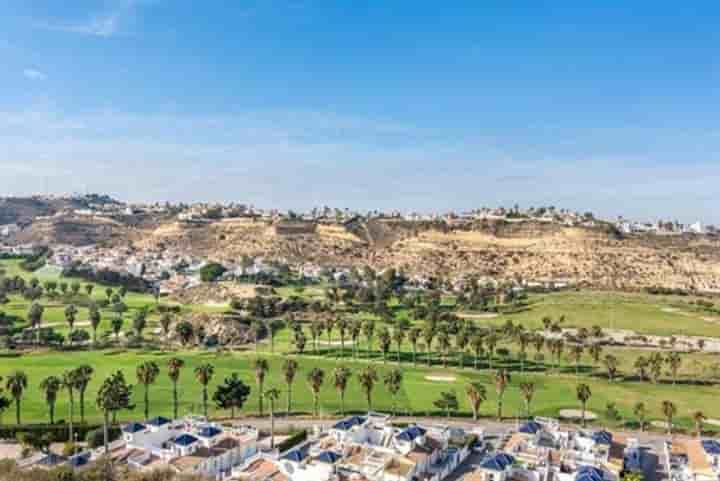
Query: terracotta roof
pixel 186 463
pixel 697 459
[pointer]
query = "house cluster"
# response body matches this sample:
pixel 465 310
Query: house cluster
pixel 542 450
pixel 663 228
pixel 188 446
pixel 693 459
pixel 365 448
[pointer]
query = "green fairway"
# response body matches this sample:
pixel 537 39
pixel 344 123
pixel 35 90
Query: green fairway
pixel 642 313
pixel 554 392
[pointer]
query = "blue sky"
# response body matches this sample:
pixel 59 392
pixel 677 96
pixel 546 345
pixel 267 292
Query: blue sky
pixel 605 106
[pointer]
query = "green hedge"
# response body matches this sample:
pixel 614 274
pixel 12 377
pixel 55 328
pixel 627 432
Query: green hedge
pixel 58 432
pixel 293 441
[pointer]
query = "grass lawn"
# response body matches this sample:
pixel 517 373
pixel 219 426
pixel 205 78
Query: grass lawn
pixel 554 392
pixel 643 313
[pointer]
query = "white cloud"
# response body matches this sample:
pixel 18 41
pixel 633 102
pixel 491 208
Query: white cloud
pixel 33 74
pixel 104 24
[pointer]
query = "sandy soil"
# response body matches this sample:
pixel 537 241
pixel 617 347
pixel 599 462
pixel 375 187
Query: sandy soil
pixel 441 378
pixel 576 414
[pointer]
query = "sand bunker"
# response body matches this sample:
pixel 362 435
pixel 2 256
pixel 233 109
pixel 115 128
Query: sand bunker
pixel 440 378
pixel 659 424
pixel 576 414
pixel 489 315
pixel 713 422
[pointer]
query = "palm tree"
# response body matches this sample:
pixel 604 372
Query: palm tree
pixel 461 342
pixel 367 378
pixel 341 375
pixel 50 386
pixel 443 341
pixel 595 351
pixel 576 352
pixel 81 377
pixel 174 367
pixel 165 321
pixel 342 325
pixel 413 337
pixel 316 329
pixel 272 395
pixel 393 383
pixel 369 331
pixel 35 314
pixel 502 379
pixel 69 381
pixel 204 374
pixel 147 374
pixel 261 367
pixel 698 419
pixel 583 395
pixel 290 367
pixel 669 410
pixel 114 394
pixel 428 336
pixel 385 339
pixel 355 331
pixel 316 378
pixel 476 394
pixel 70 316
pixel 527 390
pixel 611 364
pixel 95 318
pixel 640 412
pixel 16 383
pixel 398 336
pixel 674 361
pixel 329 326
pixel 491 342
pixel 477 343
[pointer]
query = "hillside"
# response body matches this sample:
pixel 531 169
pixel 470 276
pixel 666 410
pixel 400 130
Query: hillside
pixel 531 251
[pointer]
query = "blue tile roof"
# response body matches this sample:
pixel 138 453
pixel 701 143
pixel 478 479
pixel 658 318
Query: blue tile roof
pixel 602 437
pixel 80 460
pixel 209 432
pixel 186 440
pixel 530 428
pixel 133 428
pixel 589 473
pixel 348 423
pixel 711 447
pixel 328 457
pixel 411 433
pixel 158 421
pixel 297 454
pixel 498 462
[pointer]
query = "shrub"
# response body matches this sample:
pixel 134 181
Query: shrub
pixel 95 437
pixel 293 441
pixel 211 272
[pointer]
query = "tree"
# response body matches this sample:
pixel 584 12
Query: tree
pixel 502 379
pixel 108 292
pixel 669 410
pixel 342 325
pixel 367 378
pixel 329 326
pixel 81 377
pixel 698 419
pixel 50 387
pixel 385 339
pixel 174 368
pixel 165 322
pixel 393 383
pixel 477 344
pixel 640 411
pixel 35 314
pixel 583 395
pixel 231 394
pixel 272 395
pixel 527 390
pixel 211 272
pixel 289 368
pixel 341 376
pixel 447 402
pixel 204 374
pixel 95 318
pixel 147 374
pixel 261 368
pixel 576 352
pixel 139 322
pixel 369 331
pixel 114 395
pixel 443 342
pixel 674 361
pixel 355 331
pixel 273 327
pixel 491 341
pixel 655 364
pixel 611 364
pixel 316 330
pixel 461 342
pixel 116 324
pixel 16 383
pixel 641 366
pixel 398 336
pixel 70 316
pixel 315 379
pixel 476 394
pixel 89 289
pixel 428 334
pixel 185 331
pixel 595 351
pixel 413 336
